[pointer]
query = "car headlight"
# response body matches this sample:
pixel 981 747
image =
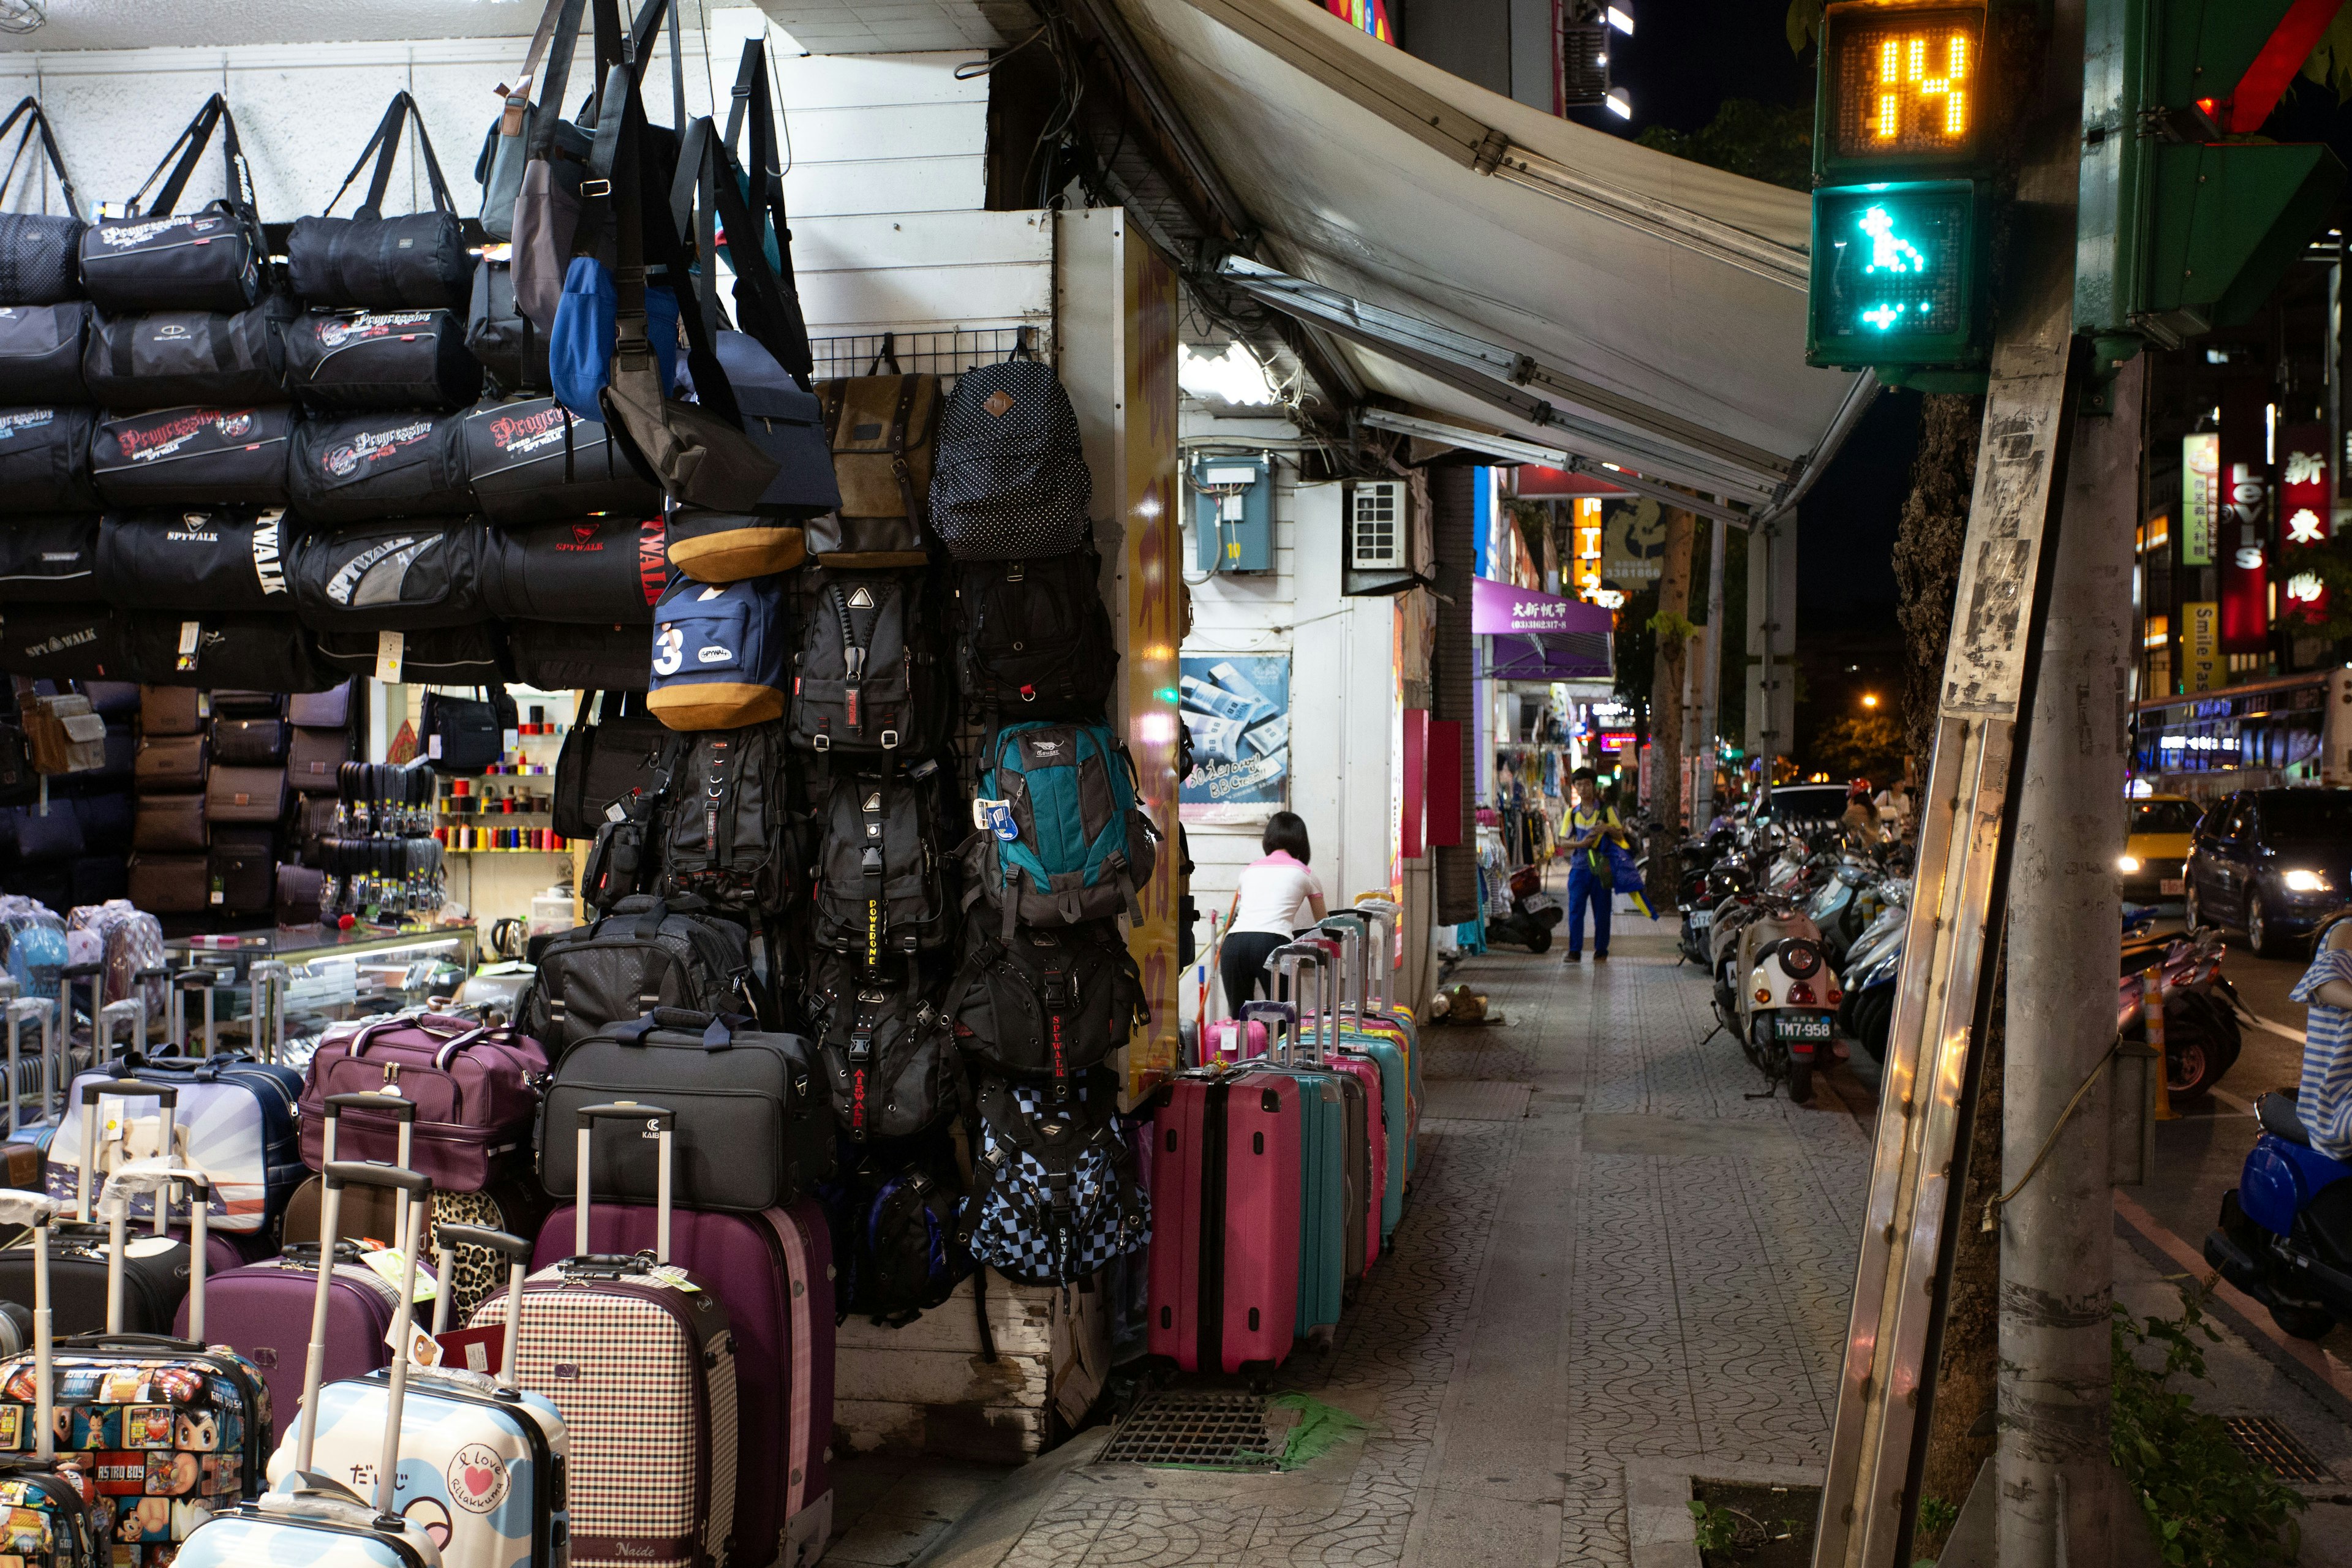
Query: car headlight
pixel 2127 864
pixel 2305 882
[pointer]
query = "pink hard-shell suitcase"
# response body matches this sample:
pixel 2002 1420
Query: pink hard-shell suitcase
pixel 1361 1067
pixel 1224 1269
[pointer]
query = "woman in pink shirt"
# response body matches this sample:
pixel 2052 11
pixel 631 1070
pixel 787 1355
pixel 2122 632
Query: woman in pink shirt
pixel 1267 903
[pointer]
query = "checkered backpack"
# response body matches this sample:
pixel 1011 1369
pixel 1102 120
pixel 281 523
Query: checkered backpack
pixel 1054 1194
pixel 1011 481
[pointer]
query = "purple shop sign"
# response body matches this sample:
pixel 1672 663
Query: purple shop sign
pixel 1498 608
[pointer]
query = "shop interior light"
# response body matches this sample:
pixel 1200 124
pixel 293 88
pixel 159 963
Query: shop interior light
pixel 1621 102
pixel 1230 375
pixel 1622 19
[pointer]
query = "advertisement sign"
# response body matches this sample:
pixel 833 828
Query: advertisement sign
pixel 2245 565
pixel 2200 497
pixel 1633 544
pixel 2305 506
pixel 2200 647
pixel 1237 707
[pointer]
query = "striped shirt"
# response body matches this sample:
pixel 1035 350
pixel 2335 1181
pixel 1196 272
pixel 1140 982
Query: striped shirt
pixel 2323 1101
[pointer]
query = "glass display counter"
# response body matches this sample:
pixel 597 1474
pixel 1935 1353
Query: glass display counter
pixel 331 976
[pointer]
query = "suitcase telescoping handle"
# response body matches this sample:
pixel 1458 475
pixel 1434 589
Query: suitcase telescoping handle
pixel 448 1239
pixel 1327 998
pixel 97 1088
pixel 659 1123
pixel 418 1188
pixel 20 1010
pixel 1285 962
pixel 1353 929
pixel 1382 915
pixel 157 1176
pixel 1282 1025
pixel 402 1110
pixel 37 1210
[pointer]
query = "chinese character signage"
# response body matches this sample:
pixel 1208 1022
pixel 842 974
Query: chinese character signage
pixel 2200 497
pixel 2305 504
pixel 2200 647
pixel 1237 707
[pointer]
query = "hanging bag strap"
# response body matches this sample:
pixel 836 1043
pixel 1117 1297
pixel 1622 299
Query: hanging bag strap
pixel 698 298
pixel 517 107
pixel 772 312
pixel 214 116
pixel 563 41
pixel 30 111
pixel 384 147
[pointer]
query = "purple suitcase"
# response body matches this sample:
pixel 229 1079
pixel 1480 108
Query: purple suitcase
pixel 774 1271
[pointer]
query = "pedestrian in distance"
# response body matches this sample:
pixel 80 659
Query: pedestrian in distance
pixel 1590 881
pixel 1264 913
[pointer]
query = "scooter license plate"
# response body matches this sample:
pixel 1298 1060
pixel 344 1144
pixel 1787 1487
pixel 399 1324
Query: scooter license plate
pixel 2174 886
pixel 1701 918
pixel 1812 1027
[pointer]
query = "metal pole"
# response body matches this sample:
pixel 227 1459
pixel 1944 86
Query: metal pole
pixel 2057 1234
pixel 1710 682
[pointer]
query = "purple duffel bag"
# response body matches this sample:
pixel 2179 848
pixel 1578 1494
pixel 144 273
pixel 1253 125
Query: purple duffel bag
pixel 475 1090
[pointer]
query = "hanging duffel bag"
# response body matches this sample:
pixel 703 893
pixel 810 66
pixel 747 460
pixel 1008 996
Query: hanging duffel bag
pixel 392 578
pixel 556 657
pixel 599 571
pixel 1036 640
pixel 1011 482
pixel 889 1054
pixel 41 352
pixel 870 678
pixel 345 360
pixel 170 359
pixel 531 460
pixel 363 467
pixel 200 457
pixel 156 259
pixel 379 263
pixel 65 642
pixel 45 460
pixel 40 255
pixel 609 752
pixel 266 652
pixel 49 560
pixel 720 654
pixel 509 344
pixel 446 655
pixel 884 431
pixel 230 559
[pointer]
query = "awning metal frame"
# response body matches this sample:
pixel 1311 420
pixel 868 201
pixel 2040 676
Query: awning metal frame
pixel 1517 450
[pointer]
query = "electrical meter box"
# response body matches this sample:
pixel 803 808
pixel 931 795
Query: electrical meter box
pixel 1232 513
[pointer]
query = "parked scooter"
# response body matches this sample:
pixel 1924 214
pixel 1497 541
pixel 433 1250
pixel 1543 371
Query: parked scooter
pixel 1729 880
pixel 1533 912
pixel 2286 1236
pixel 2201 1034
pixel 1791 1003
pixel 1871 966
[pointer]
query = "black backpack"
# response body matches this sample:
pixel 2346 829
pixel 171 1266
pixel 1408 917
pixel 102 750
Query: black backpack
pixel 645 954
pixel 882 882
pixel 609 570
pixel 868 679
pixel 726 838
pixel 1037 638
pixel 45 460
pixel 1051 1002
pixel 1011 481
pixel 393 576
pixel 896 1246
pixel 194 457
pixel 1053 1190
pixel 170 359
pixel 228 559
pixel 532 460
pixel 350 360
pixel 40 351
pixel 364 468
pixel 509 344
pixel 889 1054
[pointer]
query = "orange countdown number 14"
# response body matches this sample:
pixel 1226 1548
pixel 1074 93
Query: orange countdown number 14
pixel 1921 86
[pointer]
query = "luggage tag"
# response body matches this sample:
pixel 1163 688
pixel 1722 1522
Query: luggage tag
pixel 474 1350
pixel 424 1350
pixel 388 1264
pixel 391 648
pixel 995 816
pixel 671 1275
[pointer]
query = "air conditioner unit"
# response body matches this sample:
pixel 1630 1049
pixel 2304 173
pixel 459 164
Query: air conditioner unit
pixel 1375 538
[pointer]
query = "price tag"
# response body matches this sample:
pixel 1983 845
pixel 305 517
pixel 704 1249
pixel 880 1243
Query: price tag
pixel 390 1264
pixel 671 1275
pixel 391 648
pixel 433 746
pixel 190 631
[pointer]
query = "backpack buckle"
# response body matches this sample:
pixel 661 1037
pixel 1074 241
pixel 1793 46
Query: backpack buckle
pixel 1028 694
pixel 889 740
pixel 821 742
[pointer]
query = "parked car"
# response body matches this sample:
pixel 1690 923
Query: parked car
pixel 1815 805
pixel 2153 866
pixel 2275 862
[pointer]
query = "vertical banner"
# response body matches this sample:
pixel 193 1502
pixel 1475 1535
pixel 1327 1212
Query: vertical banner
pixel 1155 609
pixel 2200 647
pixel 2246 540
pixel 2307 503
pixel 2200 497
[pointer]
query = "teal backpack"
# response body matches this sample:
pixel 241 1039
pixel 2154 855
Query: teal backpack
pixel 1082 845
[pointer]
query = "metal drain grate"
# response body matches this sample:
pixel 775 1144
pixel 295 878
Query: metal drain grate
pixel 2274 1447
pixel 1205 1428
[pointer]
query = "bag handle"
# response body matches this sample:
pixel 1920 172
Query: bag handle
pixel 772 310
pixel 384 147
pixel 214 116
pixel 38 121
pixel 563 35
pixel 718 1029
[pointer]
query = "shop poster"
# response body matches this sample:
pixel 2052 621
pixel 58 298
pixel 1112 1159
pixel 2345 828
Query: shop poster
pixel 1237 707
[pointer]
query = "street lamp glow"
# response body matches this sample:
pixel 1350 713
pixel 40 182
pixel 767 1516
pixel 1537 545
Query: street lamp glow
pixel 1870 700
pixel 1621 102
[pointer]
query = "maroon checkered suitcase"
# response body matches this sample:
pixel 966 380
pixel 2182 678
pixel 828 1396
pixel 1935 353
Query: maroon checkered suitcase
pixel 639 1357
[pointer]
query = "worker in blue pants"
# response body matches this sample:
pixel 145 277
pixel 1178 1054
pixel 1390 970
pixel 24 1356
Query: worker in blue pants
pixel 1589 822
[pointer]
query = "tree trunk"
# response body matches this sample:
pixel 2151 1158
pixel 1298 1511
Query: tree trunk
pixel 1666 705
pixel 1927 558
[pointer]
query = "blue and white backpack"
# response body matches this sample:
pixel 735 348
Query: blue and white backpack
pixel 1081 846
pixel 1053 1189
pixel 720 654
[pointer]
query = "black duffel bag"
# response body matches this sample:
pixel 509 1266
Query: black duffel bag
pixel 41 352
pixel 363 467
pixel 531 460
pixel 40 255
pixel 418 262
pixel 65 642
pixel 448 655
pixel 338 360
pixel 45 460
pixel 199 456
pixel 176 359
pixel 226 653
pixel 393 576
pixel 555 657
pixel 596 571
pixel 49 560
pixel 222 559
pixel 210 260
pixel 509 343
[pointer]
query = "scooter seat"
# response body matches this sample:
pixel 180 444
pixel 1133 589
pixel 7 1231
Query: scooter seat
pixel 2275 1112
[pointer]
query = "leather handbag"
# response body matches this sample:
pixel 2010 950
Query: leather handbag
pixel 353 359
pixel 41 350
pixel 170 884
pixel 616 747
pixel 169 823
pixel 171 710
pixel 172 763
pixel 157 259
pixel 40 255
pixel 227 559
pixel 49 560
pixel 379 263
pixel 245 794
pixel 46 459
pixel 314 758
pixel 462 736
pixel 532 460
pixel 299 891
pixel 250 743
pixel 328 709
pixel 554 657
pixel 172 359
pixel 192 457
pixel 242 863
pixel 248 703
